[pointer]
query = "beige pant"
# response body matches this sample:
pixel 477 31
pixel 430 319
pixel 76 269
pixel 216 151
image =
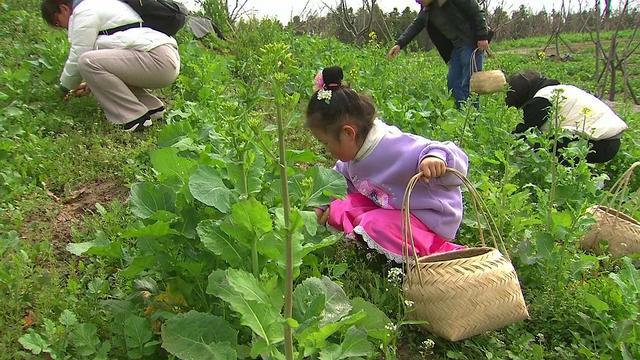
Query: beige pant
pixel 120 79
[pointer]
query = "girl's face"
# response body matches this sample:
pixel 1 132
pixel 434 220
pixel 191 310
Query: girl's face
pixel 344 147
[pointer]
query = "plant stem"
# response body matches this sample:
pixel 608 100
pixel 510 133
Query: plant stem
pixel 554 164
pixel 284 184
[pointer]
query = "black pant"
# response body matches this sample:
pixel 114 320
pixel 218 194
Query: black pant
pixel 600 150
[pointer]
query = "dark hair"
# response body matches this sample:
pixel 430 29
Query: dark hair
pixel 50 7
pixel 524 85
pixel 345 103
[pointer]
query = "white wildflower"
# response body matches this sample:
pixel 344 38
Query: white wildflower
pixel 324 95
pixel 427 344
pixel 395 275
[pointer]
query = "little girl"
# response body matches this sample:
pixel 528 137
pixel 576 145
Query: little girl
pixel 377 161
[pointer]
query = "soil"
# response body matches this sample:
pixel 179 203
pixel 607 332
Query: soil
pixel 67 212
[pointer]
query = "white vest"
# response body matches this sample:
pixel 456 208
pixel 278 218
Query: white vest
pixel 581 113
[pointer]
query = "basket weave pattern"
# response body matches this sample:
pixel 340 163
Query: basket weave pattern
pixel 620 231
pixel 485 82
pixel 465 292
pixel 468 295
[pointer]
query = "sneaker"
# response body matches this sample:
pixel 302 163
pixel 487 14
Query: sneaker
pixel 156 114
pixel 138 124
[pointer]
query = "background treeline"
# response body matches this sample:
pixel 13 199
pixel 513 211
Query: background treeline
pixel 370 23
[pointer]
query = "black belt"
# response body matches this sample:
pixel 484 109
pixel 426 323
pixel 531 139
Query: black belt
pixel 122 28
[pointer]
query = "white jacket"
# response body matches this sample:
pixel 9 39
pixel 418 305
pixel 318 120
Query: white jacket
pixel 90 17
pixel 582 113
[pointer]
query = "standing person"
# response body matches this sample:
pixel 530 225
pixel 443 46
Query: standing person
pixel 377 161
pixel 580 113
pixel 118 58
pixel 456 28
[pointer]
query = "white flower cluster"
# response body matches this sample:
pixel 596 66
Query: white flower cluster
pixel 391 327
pixel 395 275
pixel 409 303
pixel 324 95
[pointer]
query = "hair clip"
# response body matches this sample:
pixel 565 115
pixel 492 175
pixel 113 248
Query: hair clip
pixel 324 95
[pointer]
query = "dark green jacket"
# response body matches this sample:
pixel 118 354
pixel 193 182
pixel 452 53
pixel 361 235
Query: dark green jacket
pixel 450 23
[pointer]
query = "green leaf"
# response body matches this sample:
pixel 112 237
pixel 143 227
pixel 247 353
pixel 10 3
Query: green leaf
pixel 67 318
pixel 147 198
pixel 196 336
pixel 375 321
pixel 545 244
pixel 138 265
pixel 328 184
pixel 298 219
pixel 596 303
pixel 331 352
pixel 168 164
pixel 85 339
pixel 206 186
pixel 137 332
pixel 252 215
pixel 244 283
pixel 355 343
pixel 247 176
pixel 78 249
pixel 309 301
pixel 101 246
pixel 10 240
pixel 217 241
pixel 34 343
pixel 318 337
pixel 336 303
pixel 173 133
pixel 263 318
pixel 155 230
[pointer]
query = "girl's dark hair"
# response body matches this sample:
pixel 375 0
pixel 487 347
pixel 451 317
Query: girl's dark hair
pixel 330 114
pixel 50 7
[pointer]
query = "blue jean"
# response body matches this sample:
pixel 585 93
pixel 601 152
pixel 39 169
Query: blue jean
pixel 460 72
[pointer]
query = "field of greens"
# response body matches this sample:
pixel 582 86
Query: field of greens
pixel 171 243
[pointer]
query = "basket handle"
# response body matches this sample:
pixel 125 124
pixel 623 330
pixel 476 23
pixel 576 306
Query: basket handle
pixel 408 245
pixel 620 188
pixel 474 64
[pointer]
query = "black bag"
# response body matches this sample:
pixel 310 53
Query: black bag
pixel 166 16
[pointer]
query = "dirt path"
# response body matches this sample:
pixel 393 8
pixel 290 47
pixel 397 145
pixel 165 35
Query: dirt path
pixel 576 47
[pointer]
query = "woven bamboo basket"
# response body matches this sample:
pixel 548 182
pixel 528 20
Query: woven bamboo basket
pixel 485 82
pixel 465 292
pixel 618 230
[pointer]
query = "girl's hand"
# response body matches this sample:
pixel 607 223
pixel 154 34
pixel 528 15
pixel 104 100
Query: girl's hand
pixel 432 167
pixel 322 216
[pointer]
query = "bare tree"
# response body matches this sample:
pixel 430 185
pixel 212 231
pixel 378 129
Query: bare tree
pixel 613 60
pixel 236 10
pixel 349 20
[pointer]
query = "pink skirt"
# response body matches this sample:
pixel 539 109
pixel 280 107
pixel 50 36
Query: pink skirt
pixel 381 228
